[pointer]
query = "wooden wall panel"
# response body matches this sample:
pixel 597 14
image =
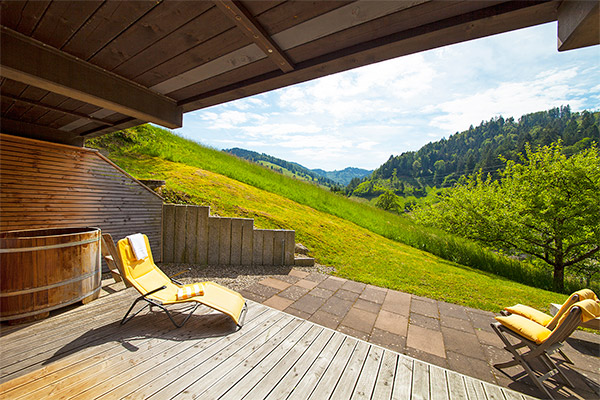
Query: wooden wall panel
pixel 46 185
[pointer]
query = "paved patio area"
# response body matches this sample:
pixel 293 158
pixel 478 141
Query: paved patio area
pixel 450 336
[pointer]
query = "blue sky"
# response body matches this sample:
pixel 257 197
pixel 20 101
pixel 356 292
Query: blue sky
pixel 360 117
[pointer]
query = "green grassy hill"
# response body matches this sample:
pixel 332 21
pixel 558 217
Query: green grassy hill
pixel 361 242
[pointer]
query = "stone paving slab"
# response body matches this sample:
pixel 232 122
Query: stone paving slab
pixel 448 335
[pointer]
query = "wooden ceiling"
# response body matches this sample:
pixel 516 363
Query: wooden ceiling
pixel 72 70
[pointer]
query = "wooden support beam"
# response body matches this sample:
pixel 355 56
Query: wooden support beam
pixel 253 30
pixel 31 62
pixel 578 24
pixel 33 131
pixel 62 110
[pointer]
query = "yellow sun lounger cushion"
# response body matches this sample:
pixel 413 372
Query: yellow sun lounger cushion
pixel 525 327
pixel 537 333
pixel 530 313
pixel 545 319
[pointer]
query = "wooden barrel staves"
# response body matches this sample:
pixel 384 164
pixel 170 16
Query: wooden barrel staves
pixel 45 269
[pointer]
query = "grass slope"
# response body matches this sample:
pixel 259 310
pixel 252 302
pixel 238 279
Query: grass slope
pixel 156 142
pixel 356 252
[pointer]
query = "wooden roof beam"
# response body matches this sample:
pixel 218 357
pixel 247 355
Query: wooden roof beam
pixel 31 62
pixel 578 24
pixel 253 30
pixel 59 109
pixel 34 131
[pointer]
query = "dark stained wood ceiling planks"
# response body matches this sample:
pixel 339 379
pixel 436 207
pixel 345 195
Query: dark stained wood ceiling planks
pixel 200 53
pixel 107 23
pixel 156 24
pixel 62 20
pixel 209 24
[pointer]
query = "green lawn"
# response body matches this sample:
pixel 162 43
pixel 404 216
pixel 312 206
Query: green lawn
pixel 155 142
pixel 356 252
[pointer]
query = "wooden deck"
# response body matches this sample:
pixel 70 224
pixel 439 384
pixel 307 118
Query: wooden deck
pixel 84 353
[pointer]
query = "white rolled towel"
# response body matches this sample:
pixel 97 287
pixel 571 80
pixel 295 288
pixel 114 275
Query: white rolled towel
pixel 138 245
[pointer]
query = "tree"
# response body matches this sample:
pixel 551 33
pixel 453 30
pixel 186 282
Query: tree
pixel 547 206
pixel 387 201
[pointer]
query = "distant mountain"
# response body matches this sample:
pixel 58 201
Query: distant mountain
pixel 344 176
pixel 285 167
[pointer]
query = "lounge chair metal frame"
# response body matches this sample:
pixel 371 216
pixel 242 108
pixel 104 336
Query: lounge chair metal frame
pixel 155 303
pixel 539 351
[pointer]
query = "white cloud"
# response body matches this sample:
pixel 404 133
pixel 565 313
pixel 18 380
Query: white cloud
pixel 366 145
pixel 279 130
pixel 510 99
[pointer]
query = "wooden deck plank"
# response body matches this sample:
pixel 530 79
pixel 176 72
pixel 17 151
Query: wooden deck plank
pixel 493 392
pixel 420 381
pixel 189 355
pixel 61 368
pixel 264 381
pixel 403 381
pixel 44 326
pixel 29 359
pixel 141 388
pixel 438 383
pixel 153 367
pixel 330 377
pixel 323 349
pixel 348 380
pixel 13 349
pixel 158 337
pixel 252 372
pixel 456 386
pixel 385 379
pixel 213 368
pixel 512 395
pixel 220 379
pixel 315 339
pixel 314 374
pixel 474 389
pixel 368 374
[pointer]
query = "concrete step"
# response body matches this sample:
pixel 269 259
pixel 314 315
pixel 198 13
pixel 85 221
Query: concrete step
pixel 303 261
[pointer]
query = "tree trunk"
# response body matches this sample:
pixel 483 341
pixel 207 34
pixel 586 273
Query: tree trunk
pixel 559 277
pixel 559 265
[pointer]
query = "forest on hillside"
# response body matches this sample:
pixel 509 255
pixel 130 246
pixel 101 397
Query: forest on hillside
pixel 442 163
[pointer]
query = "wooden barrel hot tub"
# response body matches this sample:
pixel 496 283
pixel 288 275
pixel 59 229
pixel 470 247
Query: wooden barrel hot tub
pixel 45 269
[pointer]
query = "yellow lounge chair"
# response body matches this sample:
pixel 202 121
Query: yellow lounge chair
pixel 541 341
pixel 159 290
pixel 549 321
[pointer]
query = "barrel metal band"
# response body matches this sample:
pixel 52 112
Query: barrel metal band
pixel 50 246
pixel 57 284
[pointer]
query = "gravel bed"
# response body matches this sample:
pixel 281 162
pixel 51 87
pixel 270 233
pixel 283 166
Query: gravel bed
pixel 235 277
